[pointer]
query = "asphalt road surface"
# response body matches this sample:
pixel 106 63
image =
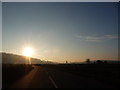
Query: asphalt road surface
pixel 41 77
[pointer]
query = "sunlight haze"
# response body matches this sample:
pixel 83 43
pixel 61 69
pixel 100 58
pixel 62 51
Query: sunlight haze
pixel 62 32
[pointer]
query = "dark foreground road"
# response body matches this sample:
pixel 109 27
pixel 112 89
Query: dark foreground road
pixel 41 77
pixel 37 78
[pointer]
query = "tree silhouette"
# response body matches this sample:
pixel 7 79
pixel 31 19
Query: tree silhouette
pixel 88 61
pixel 66 62
pixel 99 62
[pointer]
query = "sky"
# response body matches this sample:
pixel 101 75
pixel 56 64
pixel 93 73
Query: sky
pixel 0 30
pixel 61 32
pixel 0 26
pixel 60 0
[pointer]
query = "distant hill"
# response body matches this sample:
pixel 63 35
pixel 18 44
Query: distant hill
pixel 8 58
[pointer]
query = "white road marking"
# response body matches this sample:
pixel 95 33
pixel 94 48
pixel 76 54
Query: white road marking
pixel 53 82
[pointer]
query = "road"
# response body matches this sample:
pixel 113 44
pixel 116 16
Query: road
pixel 41 77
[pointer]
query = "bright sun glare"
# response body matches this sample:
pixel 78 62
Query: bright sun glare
pixel 28 52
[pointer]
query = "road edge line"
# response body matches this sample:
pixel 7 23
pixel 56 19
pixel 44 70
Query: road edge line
pixel 53 82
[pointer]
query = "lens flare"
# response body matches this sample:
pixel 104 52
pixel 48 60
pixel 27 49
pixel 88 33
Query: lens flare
pixel 28 52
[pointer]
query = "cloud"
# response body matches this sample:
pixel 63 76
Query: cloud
pixel 97 38
pixel 111 36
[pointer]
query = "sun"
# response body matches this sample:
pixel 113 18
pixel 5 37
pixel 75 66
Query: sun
pixel 28 52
